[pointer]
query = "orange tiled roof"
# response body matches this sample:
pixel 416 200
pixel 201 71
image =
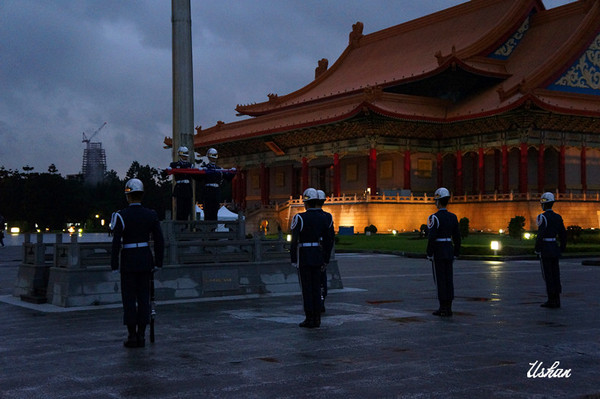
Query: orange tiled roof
pixel 461 37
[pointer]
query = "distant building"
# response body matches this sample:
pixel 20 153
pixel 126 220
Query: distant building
pixel 497 100
pixel 94 163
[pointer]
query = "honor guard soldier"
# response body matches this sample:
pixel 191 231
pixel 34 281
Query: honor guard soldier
pixel 322 198
pixel 310 252
pixel 133 227
pixel 183 185
pixel 550 226
pixel 443 246
pixel 211 184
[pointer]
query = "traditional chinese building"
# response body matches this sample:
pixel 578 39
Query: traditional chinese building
pixel 497 100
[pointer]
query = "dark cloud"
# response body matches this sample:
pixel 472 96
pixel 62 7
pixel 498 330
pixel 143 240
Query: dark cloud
pixel 67 66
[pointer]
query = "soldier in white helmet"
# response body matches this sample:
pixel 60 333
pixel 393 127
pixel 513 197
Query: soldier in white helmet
pixel 210 184
pixel 133 228
pixel 183 185
pixel 550 227
pixel 310 252
pixel 442 247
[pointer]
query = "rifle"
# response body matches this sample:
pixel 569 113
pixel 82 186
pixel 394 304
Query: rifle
pixel 152 307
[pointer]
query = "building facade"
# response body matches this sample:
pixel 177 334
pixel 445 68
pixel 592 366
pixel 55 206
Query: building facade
pixel 497 100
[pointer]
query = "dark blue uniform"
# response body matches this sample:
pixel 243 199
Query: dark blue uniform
pixel 211 190
pixel 311 250
pixel 134 225
pixel 183 190
pixel 550 226
pixel 443 246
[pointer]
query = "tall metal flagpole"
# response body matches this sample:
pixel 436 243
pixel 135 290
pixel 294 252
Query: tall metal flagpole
pixel 183 81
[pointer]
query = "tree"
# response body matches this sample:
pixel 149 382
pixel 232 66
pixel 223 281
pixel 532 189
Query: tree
pixel 516 227
pixel 463 226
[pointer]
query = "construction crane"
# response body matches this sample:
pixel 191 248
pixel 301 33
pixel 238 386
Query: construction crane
pixel 87 140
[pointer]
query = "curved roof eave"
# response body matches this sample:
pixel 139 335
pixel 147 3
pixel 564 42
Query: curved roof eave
pixel 567 53
pixel 518 10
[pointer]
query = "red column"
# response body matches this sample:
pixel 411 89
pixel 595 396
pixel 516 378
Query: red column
pixel 304 174
pixel 440 170
pixel 235 187
pixel 264 184
pixel 504 169
pixel 337 185
pixel 481 170
pixel 372 171
pixel 541 172
pixel 583 169
pixel 459 174
pixel 407 170
pixel 523 169
pixel 243 180
pixel 562 183
pixel 496 170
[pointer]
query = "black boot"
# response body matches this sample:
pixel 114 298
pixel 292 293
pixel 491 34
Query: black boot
pixel 316 320
pixel 141 335
pixel 322 305
pixel 448 308
pixel 553 302
pixel 308 321
pixel 131 337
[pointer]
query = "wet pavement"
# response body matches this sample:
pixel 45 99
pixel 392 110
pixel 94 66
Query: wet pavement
pixel 378 339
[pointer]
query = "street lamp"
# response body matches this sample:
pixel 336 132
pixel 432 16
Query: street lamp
pixel 495 245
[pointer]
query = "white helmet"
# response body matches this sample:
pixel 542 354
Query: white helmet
pixel 440 193
pixel 310 194
pixel 183 152
pixel 321 195
pixel 212 153
pixel 547 197
pixel 134 185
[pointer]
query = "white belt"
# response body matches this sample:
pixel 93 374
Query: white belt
pixel 135 245
pixel 308 244
pixel 443 239
pixel 549 239
pixel 212 185
pixel 183 181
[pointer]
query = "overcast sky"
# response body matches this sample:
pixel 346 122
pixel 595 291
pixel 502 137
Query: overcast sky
pixel 68 66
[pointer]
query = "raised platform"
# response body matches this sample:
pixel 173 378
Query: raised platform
pixel 199 262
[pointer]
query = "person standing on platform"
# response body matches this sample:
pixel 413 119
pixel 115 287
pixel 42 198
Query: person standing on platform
pixel 210 184
pixel 550 226
pixel 442 247
pixel 310 252
pixel 183 185
pixel 322 198
pixel 133 227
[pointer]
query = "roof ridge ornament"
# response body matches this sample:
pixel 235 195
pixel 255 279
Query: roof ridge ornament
pixel 322 67
pixel 356 34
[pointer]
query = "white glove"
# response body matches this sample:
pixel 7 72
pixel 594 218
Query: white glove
pixel 429 258
pixel 295 265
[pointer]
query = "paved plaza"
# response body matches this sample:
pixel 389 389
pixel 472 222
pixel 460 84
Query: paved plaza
pixel 378 340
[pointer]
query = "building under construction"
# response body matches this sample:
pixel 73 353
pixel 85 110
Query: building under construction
pixel 94 160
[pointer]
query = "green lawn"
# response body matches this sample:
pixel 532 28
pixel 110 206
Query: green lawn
pixel 474 244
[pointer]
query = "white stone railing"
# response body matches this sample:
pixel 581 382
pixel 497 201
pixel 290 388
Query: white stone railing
pixel 411 199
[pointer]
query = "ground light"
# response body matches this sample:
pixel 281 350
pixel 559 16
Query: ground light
pixel 15 230
pixel 527 236
pixel 289 238
pixel 495 245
